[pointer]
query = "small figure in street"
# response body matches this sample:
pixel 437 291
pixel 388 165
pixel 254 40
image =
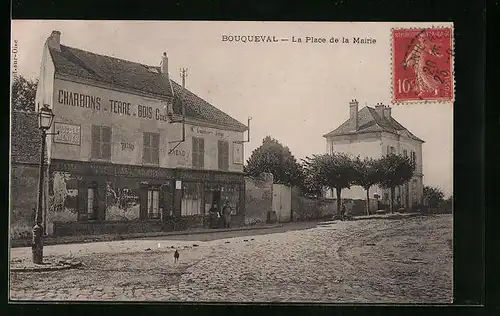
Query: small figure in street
pixel 176 256
pixel 214 216
pixel 226 212
pixel 342 212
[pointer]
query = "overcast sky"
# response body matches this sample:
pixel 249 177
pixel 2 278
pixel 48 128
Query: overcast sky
pixel 293 92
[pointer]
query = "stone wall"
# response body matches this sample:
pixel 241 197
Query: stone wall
pixel 258 198
pixel 23 199
pixel 305 208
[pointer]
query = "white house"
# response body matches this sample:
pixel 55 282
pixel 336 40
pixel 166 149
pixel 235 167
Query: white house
pixel 373 132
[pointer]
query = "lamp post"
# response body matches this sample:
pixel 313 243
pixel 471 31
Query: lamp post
pixel 45 118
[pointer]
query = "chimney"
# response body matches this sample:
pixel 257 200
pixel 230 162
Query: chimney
pixel 164 65
pixel 387 112
pixel 54 40
pixel 379 108
pixel 353 114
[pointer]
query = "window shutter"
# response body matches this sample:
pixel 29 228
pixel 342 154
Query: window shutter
pixel 194 150
pixel 201 152
pixel 145 145
pixel 226 155
pixel 82 200
pixel 219 154
pixel 96 141
pixel 155 150
pixel 143 198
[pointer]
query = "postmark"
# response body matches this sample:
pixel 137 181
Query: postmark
pixel 422 65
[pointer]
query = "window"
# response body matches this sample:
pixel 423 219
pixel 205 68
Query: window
pixel 405 153
pixel 393 150
pixel 91 203
pixel 388 150
pixel 192 202
pixel 101 142
pixel 414 157
pixel 198 152
pixel 223 155
pixel 153 203
pixel 151 151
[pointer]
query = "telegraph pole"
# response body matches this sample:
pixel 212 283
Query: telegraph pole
pixel 183 76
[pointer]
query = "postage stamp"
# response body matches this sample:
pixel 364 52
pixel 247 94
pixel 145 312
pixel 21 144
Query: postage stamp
pixel 422 65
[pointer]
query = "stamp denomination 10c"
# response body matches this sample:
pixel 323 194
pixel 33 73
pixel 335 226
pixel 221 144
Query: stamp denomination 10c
pixel 422 65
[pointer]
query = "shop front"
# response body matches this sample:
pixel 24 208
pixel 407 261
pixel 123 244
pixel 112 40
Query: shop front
pixel 102 198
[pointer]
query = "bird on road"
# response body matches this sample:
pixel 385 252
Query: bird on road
pixel 176 255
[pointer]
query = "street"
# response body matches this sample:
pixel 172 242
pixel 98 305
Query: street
pixel 405 260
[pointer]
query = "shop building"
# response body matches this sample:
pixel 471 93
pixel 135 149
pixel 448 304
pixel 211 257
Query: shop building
pixel 134 151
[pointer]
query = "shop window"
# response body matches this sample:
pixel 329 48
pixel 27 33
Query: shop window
pixel 191 199
pixel 223 155
pixel 153 203
pixel 101 142
pixel 231 192
pixel 198 152
pixel 151 145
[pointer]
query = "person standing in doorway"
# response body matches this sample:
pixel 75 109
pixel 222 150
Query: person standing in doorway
pixel 226 211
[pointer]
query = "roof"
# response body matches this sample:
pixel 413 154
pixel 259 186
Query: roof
pixel 137 77
pixel 370 121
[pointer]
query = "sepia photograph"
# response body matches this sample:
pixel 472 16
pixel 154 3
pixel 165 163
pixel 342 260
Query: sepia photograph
pixel 236 162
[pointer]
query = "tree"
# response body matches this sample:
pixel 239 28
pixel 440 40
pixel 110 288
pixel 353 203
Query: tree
pixel 335 171
pixel 368 173
pixel 395 170
pixel 433 195
pixel 24 93
pixel 273 157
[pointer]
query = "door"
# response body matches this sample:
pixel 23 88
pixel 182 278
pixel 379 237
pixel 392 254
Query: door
pixel 282 202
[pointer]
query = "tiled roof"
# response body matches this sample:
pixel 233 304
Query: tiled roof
pixel 135 76
pixel 370 121
pixel 25 139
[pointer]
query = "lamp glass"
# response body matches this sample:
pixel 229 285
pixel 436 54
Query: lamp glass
pixel 45 118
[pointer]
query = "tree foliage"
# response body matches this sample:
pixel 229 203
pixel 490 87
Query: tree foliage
pixel 335 171
pixel 368 173
pixel 395 170
pixel 23 93
pixel 273 157
pixel 433 195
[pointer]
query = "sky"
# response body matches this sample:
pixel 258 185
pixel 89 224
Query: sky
pixel 294 92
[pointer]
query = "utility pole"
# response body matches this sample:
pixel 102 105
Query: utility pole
pixel 183 76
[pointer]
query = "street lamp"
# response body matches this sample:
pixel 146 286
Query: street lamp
pixel 45 118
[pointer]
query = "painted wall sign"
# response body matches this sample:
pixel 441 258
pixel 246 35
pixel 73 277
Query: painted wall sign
pixel 238 153
pixel 199 130
pixel 115 107
pixel 127 146
pixel 178 152
pixel 67 134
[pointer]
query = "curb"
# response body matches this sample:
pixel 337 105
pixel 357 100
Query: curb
pixel 48 268
pixel 117 237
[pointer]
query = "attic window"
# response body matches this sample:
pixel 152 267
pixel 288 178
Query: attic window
pixel 153 70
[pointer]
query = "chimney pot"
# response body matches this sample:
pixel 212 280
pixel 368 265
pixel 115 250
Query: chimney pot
pixel 54 40
pixel 353 114
pixel 164 65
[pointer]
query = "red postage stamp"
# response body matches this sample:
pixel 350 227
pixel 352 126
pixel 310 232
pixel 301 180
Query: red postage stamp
pixel 422 65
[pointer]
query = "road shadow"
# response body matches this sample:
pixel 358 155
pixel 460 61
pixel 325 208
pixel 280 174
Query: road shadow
pixel 395 216
pixel 236 233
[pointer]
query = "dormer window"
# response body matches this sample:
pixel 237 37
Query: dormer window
pixel 153 70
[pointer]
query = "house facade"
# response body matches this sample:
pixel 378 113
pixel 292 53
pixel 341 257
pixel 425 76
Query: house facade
pixel 133 151
pixel 373 132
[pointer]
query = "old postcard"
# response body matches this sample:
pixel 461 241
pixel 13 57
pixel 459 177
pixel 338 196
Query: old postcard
pixel 231 161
